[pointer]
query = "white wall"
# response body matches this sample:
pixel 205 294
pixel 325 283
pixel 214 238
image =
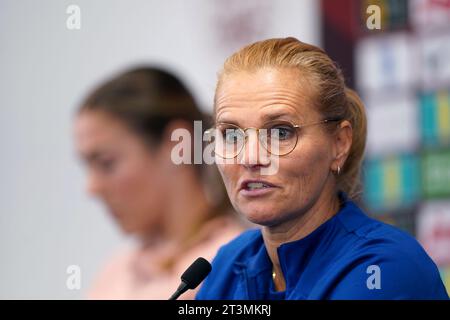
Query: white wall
pixel 46 220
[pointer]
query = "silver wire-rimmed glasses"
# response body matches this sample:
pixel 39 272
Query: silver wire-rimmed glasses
pixel 277 137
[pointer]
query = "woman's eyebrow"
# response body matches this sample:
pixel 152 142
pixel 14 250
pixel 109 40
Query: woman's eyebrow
pixel 276 116
pixel 265 118
pixel 227 121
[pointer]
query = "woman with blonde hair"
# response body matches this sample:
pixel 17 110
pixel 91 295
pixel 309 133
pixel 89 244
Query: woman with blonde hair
pixel 292 136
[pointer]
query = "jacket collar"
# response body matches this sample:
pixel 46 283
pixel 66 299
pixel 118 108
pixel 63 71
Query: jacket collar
pixel 295 256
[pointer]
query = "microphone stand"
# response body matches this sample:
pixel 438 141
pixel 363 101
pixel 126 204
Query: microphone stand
pixel 182 288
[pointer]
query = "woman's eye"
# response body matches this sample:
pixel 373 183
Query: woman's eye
pixel 231 136
pixel 106 165
pixel 281 132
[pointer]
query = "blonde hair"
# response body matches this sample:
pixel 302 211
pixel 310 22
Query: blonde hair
pixel 333 99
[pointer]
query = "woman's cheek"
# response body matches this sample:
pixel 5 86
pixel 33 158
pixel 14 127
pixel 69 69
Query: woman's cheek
pixel 298 173
pixel 225 172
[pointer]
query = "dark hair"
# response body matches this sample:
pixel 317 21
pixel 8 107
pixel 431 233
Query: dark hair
pixel 146 99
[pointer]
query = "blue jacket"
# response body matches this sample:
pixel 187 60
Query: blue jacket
pixel 350 256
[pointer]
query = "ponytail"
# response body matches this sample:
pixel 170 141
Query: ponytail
pixel 349 180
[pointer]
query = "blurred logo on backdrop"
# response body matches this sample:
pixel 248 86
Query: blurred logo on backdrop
pixel 237 23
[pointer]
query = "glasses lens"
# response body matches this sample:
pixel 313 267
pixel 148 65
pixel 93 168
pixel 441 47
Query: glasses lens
pixel 229 140
pixel 279 138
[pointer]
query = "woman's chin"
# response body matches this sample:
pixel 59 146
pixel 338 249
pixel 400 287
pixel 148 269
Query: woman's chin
pixel 261 216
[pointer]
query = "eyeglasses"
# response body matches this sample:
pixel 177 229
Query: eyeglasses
pixel 278 137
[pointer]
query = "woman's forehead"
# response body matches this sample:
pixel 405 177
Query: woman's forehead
pixel 265 78
pixel 264 97
pixel 266 92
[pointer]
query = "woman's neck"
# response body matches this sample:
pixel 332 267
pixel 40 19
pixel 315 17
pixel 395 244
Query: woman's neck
pixel 326 206
pixel 187 209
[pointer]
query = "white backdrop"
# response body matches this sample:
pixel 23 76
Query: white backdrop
pixel 46 221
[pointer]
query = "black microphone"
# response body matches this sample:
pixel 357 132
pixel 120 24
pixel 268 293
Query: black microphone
pixel 193 276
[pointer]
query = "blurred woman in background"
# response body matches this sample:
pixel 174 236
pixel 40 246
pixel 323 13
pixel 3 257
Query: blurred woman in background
pixel 177 212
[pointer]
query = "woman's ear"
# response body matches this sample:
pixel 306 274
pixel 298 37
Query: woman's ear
pixel 342 143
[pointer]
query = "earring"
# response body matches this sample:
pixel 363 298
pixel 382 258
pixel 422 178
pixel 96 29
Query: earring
pixel 339 170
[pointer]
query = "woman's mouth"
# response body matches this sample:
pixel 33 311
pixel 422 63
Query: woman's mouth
pixel 255 188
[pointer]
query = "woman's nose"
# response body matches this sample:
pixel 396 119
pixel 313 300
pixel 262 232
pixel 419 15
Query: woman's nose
pixel 94 185
pixel 254 154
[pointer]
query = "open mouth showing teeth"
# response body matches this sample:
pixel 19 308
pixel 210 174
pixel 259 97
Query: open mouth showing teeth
pixel 256 185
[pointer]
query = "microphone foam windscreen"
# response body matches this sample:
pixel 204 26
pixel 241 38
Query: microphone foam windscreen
pixel 195 274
